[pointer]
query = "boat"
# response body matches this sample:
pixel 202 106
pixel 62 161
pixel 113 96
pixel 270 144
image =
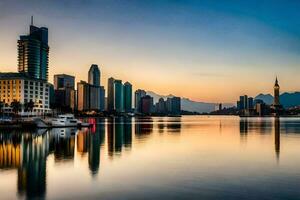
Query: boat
pixel 67 120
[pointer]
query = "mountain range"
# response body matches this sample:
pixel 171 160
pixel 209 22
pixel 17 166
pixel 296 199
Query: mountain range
pixel 189 105
pixel 286 99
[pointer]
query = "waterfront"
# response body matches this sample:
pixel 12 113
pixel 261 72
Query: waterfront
pixel 192 157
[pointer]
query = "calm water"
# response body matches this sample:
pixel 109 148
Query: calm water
pixel 155 158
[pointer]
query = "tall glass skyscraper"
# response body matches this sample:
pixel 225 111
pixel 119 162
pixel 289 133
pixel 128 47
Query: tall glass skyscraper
pixel 33 53
pixel 127 97
pixel 119 96
pixel 94 75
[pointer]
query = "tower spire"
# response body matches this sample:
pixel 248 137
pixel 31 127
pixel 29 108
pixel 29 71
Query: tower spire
pixel 31 20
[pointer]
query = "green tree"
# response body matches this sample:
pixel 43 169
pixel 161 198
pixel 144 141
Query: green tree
pixel 1 106
pixel 16 106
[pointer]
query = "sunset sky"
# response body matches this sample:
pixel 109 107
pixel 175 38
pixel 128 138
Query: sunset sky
pixel 210 51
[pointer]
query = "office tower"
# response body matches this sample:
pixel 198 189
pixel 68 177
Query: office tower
pixel 250 103
pixel 110 94
pixel 118 96
pixel 102 98
pixel 161 107
pixel 242 102
pixel 245 102
pixel 147 104
pixel 33 53
pixel 238 105
pixel 89 97
pixel 94 75
pixel 174 105
pixel 62 81
pixel 64 86
pixel 82 96
pixel 276 93
pixel 127 97
pixel 138 94
pixel 24 89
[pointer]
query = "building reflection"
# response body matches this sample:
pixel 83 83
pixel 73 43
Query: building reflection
pixel 32 171
pixel 10 151
pixel 255 125
pixel 161 126
pixel 62 143
pixel 89 141
pixel 143 127
pixel 277 136
pixel 119 134
pixel 174 126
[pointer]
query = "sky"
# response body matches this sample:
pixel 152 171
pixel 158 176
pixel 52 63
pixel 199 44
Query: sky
pixel 209 51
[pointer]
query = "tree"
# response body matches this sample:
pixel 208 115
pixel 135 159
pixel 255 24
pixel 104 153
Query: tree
pixel 1 106
pixel 16 106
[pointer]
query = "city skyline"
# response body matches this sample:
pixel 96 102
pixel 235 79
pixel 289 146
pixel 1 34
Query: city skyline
pixel 240 49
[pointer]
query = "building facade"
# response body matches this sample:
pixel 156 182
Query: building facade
pixel 19 87
pixel 147 105
pixel 62 81
pixel 110 94
pixel 127 97
pixel 118 96
pixel 174 105
pixel 138 94
pixel 64 86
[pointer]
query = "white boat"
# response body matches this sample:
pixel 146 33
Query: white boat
pixel 66 120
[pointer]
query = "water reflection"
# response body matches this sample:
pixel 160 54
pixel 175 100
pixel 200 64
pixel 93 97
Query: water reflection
pixel 264 126
pixel 119 135
pixel 28 153
pixel 277 136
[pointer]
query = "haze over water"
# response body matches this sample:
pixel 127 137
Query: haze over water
pixel 209 157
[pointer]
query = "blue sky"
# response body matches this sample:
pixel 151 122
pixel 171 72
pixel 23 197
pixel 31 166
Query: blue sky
pixel 204 50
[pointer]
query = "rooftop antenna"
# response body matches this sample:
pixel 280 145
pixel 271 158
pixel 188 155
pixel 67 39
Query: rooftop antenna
pixel 31 20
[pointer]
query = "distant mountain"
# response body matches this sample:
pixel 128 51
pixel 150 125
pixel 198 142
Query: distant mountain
pixel 286 99
pixel 267 98
pixel 189 105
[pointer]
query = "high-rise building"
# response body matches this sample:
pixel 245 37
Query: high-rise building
pixel 64 92
pixel 33 53
pixel 128 97
pixel 161 107
pixel 90 97
pixel 250 103
pixel 138 94
pixel 242 102
pixel 102 98
pixel 83 96
pixel 110 94
pixel 118 96
pixel 174 105
pixel 94 75
pixel 147 104
pixel 62 81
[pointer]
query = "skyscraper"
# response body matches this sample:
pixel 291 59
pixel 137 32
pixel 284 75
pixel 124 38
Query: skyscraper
pixel 174 105
pixel 138 94
pixel 94 75
pixel 33 53
pixel 147 104
pixel 118 96
pixel 110 94
pixel 127 97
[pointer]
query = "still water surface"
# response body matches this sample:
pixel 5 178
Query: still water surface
pixel 194 157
